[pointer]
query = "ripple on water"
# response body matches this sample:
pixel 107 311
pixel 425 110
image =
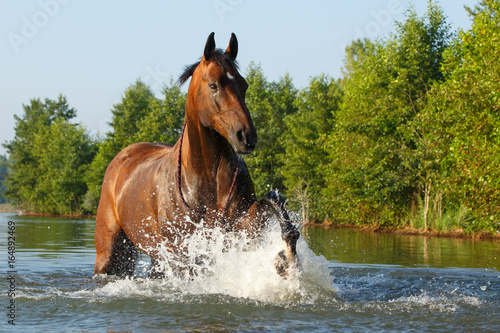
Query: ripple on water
pixel 237 289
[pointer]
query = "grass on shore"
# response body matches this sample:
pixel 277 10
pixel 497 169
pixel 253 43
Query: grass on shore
pixel 7 208
pixel 451 220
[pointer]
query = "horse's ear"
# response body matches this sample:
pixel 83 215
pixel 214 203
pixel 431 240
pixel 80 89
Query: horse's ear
pixel 232 49
pixel 209 46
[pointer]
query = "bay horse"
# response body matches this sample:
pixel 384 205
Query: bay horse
pixel 150 190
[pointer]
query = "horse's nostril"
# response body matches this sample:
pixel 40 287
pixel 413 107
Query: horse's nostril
pixel 246 140
pixel 240 137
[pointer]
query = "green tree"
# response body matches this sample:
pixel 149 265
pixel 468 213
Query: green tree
pixel 305 160
pixel 268 103
pixel 462 119
pixel 37 117
pixel 373 146
pixel 3 176
pixel 164 121
pixel 135 105
pixel 46 158
pixel 68 152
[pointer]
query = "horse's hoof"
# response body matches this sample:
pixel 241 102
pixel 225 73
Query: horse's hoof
pixel 284 263
pixel 281 263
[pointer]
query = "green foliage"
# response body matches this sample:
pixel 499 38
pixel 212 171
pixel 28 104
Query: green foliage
pixel 164 119
pixel 463 121
pixel 305 159
pixel 68 151
pixel 269 104
pixel 47 158
pixel 373 147
pixel 3 176
pixel 136 104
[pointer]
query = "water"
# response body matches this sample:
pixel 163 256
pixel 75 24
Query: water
pixel 350 280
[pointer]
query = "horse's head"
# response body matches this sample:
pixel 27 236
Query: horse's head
pixel 217 93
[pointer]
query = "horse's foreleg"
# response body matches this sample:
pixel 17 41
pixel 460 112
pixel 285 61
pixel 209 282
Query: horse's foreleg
pixel 288 256
pixel 289 232
pixel 257 217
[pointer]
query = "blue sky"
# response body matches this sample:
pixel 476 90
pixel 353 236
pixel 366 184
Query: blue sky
pixel 91 51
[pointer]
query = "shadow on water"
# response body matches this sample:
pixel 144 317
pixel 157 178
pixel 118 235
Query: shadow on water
pixel 383 282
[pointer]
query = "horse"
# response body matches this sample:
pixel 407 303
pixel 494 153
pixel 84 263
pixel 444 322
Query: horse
pixel 151 190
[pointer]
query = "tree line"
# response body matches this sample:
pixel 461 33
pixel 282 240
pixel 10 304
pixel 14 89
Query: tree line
pixel 408 136
pixel 3 175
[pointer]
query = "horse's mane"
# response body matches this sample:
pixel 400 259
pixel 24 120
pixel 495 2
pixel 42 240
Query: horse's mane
pixel 220 57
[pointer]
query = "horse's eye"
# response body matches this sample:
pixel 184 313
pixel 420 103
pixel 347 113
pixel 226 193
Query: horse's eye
pixel 213 86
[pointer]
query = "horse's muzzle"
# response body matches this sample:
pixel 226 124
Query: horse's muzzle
pixel 246 140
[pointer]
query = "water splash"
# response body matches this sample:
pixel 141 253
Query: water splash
pixel 217 262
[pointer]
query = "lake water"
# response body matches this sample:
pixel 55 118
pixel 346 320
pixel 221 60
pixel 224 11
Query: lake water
pixel 349 280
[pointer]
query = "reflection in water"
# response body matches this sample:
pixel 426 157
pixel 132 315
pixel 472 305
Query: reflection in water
pixel 53 233
pixel 350 245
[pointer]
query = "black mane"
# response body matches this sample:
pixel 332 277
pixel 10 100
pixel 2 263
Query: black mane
pixel 220 57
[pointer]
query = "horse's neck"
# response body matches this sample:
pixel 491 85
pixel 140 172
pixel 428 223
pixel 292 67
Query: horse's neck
pixel 205 150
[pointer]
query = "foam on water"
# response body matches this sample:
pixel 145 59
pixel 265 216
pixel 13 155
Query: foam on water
pixel 220 263
pixel 439 303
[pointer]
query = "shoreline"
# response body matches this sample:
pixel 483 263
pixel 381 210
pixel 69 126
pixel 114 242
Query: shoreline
pixel 75 216
pixel 408 231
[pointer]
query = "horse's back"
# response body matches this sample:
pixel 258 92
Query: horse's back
pixel 142 151
pixel 136 154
